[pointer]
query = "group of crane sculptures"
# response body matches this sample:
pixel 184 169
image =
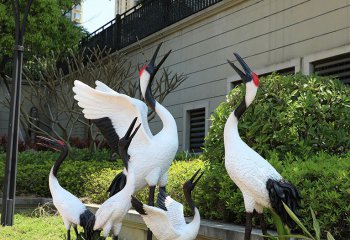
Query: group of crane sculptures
pixel 147 159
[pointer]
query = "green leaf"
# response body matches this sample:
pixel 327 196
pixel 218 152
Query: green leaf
pixel 316 225
pixel 297 221
pixel 329 236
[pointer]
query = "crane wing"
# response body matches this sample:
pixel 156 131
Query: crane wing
pixel 113 112
pixel 174 209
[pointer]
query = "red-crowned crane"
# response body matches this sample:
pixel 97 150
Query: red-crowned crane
pixel 110 215
pixel 261 185
pixel 167 221
pixel 72 210
pixel 112 112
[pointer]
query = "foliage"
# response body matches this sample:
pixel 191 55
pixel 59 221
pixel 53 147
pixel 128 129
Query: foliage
pixel 308 235
pixel 47 30
pixel 321 179
pixel 294 114
pixel 50 92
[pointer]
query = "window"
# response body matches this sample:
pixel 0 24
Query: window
pixel 77 7
pixel 338 66
pixel 77 16
pixel 196 129
pixel 284 71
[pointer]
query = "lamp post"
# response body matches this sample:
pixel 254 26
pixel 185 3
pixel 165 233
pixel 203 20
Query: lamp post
pixel 8 201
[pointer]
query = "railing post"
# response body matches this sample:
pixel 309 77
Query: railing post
pixel 118 36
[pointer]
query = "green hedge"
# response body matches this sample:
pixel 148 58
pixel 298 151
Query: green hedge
pixel 295 114
pixel 322 179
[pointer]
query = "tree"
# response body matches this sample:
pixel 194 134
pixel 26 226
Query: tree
pixel 47 30
pixel 50 92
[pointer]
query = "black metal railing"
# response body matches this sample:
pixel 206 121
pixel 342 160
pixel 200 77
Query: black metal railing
pixel 142 20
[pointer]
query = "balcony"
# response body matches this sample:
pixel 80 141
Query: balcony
pixel 141 21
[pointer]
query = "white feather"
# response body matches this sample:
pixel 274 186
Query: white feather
pixel 152 155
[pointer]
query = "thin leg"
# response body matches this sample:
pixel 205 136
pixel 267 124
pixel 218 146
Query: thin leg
pixel 68 234
pixel 263 225
pixel 163 188
pixel 248 225
pixel 150 203
pixel 76 232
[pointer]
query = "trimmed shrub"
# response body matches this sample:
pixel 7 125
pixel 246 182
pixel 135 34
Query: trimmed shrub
pixel 294 114
pixel 323 180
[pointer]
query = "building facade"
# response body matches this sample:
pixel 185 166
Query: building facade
pixel 271 35
pixel 76 14
pixel 122 6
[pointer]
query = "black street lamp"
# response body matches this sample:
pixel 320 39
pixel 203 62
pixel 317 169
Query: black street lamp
pixel 8 197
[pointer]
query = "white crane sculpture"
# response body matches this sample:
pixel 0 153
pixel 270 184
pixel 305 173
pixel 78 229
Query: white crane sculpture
pixel 262 186
pixel 167 221
pixel 72 210
pixel 111 213
pixel 112 112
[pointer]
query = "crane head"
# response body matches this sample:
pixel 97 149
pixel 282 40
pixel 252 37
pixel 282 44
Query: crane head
pixel 149 70
pixel 190 184
pixel 248 74
pixel 124 142
pixel 52 143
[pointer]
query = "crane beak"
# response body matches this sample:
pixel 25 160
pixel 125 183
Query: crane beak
pixel 49 143
pixel 247 76
pixel 152 68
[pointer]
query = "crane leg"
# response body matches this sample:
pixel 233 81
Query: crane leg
pixel 150 203
pixel 76 232
pixel 263 225
pixel 68 234
pixel 163 188
pixel 248 225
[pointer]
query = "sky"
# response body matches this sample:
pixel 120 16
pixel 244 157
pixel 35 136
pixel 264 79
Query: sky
pixel 97 13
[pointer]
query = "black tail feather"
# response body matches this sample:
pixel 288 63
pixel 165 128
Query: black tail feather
pixel 87 221
pixel 282 191
pixel 138 206
pixel 117 184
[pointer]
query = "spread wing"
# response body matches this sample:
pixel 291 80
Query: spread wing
pixel 113 112
pixel 173 209
pixel 156 219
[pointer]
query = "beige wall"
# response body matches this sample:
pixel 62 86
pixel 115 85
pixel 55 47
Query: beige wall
pixel 268 34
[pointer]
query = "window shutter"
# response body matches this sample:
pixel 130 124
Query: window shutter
pixel 338 66
pixel 197 129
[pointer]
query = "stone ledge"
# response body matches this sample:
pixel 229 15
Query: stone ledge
pixel 26 202
pixel 135 229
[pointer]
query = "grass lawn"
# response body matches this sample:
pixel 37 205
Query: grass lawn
pixel 29 226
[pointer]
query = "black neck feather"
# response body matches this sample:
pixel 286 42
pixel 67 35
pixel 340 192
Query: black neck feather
pixel 149 99
pixel 190 201
pixel 240 109
pixel 59 161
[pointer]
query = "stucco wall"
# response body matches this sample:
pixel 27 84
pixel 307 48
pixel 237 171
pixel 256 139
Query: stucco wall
pixel 269 34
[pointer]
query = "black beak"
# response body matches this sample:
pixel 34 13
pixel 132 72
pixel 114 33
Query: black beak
pixel 247 76
pixel 152 68
pixel 124 142
pixel 194 176
pixel 129 136
pixel 49 143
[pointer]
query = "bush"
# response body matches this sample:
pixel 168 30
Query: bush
pixel 295 114
pixel 323 180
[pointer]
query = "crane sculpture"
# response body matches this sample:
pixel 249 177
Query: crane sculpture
pixel 261 185
pixel 150 155
pixel 167 221
pixel 71 209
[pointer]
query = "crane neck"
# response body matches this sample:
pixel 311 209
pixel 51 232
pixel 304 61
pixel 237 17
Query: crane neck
pixel 56 166
pixel 190 202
